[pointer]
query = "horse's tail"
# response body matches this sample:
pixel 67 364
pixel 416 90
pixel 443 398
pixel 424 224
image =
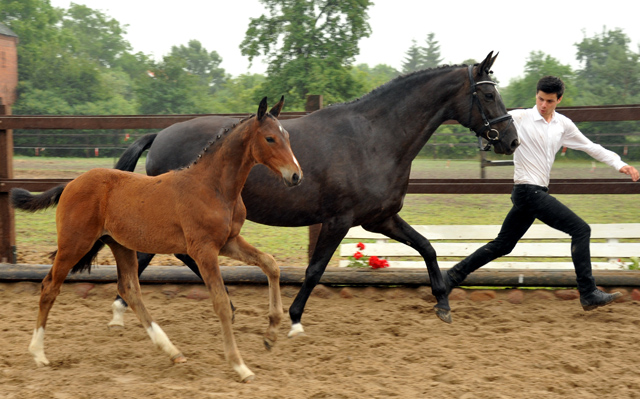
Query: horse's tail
pixel 130 156
pixel 23 199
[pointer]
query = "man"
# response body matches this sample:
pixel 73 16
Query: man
pixel 542 132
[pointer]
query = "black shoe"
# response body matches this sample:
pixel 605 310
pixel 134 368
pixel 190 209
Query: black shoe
pixel 597 298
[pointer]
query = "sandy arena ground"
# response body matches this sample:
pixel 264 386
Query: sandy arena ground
pixel 378 343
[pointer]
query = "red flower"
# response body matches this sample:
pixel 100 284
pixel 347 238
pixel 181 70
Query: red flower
pixel 377 263
pixel 358 255
pixel 360 246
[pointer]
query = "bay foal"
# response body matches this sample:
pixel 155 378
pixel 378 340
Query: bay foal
pixel 196 210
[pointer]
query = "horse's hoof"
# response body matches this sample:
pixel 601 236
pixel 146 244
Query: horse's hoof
pixel 444 315
pixel 249 378
pixel 296 331
pixel 179 358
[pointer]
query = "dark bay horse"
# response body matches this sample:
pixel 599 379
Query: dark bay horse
pixel 356 157
pixel 196 211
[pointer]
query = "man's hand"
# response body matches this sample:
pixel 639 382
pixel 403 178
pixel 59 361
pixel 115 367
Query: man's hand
pixel 631 171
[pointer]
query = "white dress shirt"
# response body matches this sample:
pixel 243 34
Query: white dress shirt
pixel 541 140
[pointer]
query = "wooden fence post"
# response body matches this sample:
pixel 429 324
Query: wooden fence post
pixel 314 103
pixel 7 220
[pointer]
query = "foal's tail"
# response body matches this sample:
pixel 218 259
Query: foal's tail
pixel 130 156
pixel 23 199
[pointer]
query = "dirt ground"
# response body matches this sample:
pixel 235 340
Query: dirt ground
pixel 378 343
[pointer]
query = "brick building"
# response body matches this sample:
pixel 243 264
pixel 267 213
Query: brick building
pixel 8 65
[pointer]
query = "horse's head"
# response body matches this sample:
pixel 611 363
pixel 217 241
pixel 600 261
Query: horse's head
pixel 270 144
pixel 488 117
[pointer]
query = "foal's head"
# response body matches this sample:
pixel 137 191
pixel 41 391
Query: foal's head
pixel 269 144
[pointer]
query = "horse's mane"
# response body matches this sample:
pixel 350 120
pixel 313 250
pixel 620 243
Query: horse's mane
pixel 398 79
pixel 218 138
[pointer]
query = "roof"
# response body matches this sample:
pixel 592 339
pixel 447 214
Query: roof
pixel 5 31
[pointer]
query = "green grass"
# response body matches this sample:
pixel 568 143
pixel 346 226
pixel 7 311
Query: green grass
pixel 289 245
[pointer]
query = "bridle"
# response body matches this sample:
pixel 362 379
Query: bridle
pixel 492 135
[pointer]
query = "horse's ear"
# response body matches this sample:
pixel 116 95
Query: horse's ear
pixel 485 66
pixel 275 111
pixel 262 109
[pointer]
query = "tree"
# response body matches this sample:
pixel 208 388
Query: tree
pixel 431 53
pixel 611 72
pixel 521 91
pixel 305 42
pixel 413 59
pixel 202 63
pixel 371 78
pixel 93 35
pixel 170 89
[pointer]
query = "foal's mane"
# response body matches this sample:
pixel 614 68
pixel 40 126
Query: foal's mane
pixel 218 138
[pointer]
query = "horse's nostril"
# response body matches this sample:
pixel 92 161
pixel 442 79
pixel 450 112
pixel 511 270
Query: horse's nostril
pixel 295 179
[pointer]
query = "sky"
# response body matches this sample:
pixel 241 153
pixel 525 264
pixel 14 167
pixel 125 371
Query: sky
pixel 464 29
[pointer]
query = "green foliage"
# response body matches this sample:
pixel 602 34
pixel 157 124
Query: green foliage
pixel 370 78
pixel 202 63
pixel 522 92
pixel 172 90
pixel 610 73
pixel 308 46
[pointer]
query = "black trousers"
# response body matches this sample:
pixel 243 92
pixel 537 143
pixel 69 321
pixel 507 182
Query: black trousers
pixel 532 202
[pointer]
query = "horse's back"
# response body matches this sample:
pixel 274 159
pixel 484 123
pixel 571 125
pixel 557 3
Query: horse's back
pixel 178 145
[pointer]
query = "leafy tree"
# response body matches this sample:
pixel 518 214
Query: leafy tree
pixel 521 92
pixel 93 35
pixel 239 94
pixel 305 42
pixel 371 78
pixel 611 72
pixel 170 89
pixel 431 53
pixel 202 63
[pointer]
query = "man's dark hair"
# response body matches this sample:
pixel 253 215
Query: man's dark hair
pixel 551 85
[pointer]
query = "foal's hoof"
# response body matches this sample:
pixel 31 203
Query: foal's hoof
pixel 115 327
pixel 269 343
pixel 179 358
pixel 444 315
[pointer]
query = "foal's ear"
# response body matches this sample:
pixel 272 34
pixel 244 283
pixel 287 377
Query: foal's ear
pixel 262 109
pixel 275 111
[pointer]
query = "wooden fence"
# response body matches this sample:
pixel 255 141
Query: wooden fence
pixel 9 122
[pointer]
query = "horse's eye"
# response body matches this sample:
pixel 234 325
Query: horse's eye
pixel 270 140
pixel 489 96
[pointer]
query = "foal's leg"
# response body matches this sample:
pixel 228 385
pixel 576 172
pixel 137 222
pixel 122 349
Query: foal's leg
pixel 238 248
pixel 119 306
pixel 129 289
pixel 207 260
pixel 66 258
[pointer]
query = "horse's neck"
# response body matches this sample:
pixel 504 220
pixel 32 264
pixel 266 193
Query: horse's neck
pixel 224 167
pixel 412 107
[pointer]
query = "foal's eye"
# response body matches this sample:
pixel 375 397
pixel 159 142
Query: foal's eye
pixel 270 140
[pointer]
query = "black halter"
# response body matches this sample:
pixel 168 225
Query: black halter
pixel 492 135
